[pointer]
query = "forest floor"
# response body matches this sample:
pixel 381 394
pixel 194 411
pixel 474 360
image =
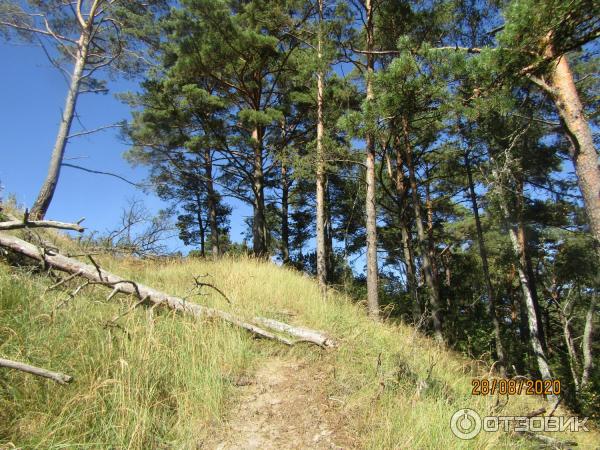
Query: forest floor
pixel 284 405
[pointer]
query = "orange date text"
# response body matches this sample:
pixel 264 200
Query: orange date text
pixel 503 386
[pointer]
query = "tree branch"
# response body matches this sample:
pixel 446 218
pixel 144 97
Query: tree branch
pixel 60 378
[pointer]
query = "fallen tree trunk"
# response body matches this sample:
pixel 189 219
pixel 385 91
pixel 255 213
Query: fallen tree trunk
pixel 18 224
pixel 60 378
pixel 303 334
pixel 97 275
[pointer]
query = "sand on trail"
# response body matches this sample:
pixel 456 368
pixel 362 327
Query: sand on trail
pixel 283 406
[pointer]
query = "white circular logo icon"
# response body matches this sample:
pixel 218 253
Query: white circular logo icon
pixel 465 424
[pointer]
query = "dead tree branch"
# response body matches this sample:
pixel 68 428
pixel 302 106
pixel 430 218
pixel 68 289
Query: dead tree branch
pixel 26 223
pixel 60 378
pixel 201 284
pixel 303 334
pixel 96 275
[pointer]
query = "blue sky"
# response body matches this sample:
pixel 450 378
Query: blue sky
pixel 33 93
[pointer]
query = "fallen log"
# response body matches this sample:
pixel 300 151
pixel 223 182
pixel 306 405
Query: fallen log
pixel 15 224
pixel 303 334
pixel 60 378
pixel 550 441
pixel 97 275
pixel 19 224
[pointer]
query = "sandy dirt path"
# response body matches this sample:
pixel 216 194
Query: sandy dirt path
pixel 283 406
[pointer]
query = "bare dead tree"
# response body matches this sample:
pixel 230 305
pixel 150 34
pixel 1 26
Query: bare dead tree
pixel 80 38
pixel 138 232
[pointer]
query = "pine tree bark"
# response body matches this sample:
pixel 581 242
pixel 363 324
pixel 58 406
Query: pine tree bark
pixel 430 276
pixel 529 304
pixel 370 207
pixel 46 194
pixel 201 226
pixel 212 205
pixel 320 194
pixel 584 155
pixel 526 264
pixel 407 244
pixel 486 270
pixel 329 263
pixel 285 222
pixel 573 359
pixel 532 321
pixel 259 223
pixel 587 344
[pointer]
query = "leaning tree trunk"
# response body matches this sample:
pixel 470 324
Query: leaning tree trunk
pixel 532 318
pixel 321 253
pixel 371 210
pixel 564 93
pixel 534 332
pixel 573 359
pixel 525 258
pixel 486 270
pixel 259 223
pixel 44 198
pixel 430 276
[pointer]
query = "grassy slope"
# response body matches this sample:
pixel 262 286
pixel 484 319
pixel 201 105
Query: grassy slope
pixel 161 381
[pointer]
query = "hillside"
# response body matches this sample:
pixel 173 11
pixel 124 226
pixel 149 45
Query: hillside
pixel 153 379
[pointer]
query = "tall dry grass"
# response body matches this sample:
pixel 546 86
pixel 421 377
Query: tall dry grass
pixel 158 380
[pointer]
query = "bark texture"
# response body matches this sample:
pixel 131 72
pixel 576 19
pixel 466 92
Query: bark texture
pixel 588 360
pixel 320 188
pixel 212 204
pixel 563 91
pixel 370 207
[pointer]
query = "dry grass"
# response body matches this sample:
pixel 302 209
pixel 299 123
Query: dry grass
pixel 162 381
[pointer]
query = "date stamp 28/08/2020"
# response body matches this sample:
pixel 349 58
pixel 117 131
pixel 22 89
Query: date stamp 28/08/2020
pixel 512 386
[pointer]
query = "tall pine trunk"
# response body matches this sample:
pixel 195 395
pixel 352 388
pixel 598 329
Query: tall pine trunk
pixel 201 226
pixel 486 270
pixel 285 222
pixel 407 244
pixel 430 277
pixel 321 252
pixel 370 207
pixel 44 198
pixel 564 93
pixel 259 222
pixel 212 204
